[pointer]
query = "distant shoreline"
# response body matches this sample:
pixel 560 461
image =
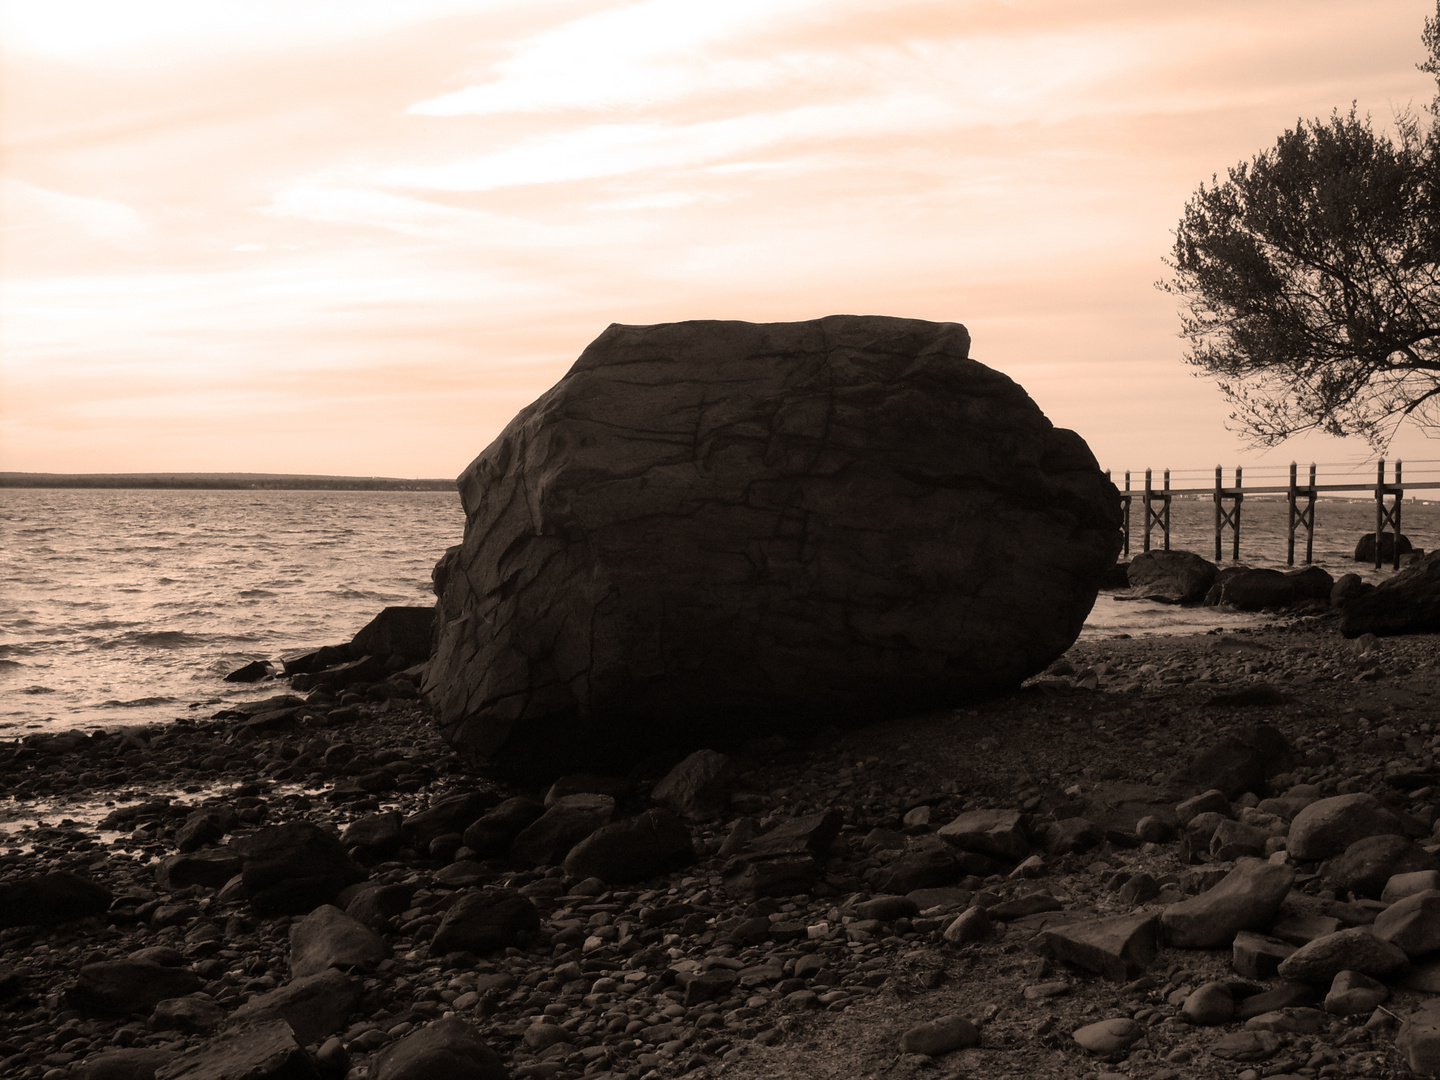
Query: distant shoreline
pixel 221 482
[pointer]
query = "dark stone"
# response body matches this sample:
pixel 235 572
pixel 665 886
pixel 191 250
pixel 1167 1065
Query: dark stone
pixel 314 1006
pixel 484 920
pixel 265 1050
pixel 329 938
pixel 1240 763
pixel 119 988
pixel 365 669
pixel 448 1049
pixel 1348 587
pixel 1311 583
pixel 548 839
pixel 316 660
pixel 495 830
pixel 1366 865
pixel 375 905
pixel 755 876
pixel 1365 548
pixel 1172 577
pixel 632 850
pixel 50 899
pixel 402 632
pixel 714 531
pixel 378 833
pixel 1407 603
pixel 207 825
pixel 294 868
pixel 129 1063
pixel 211 869
pixel 1253 589
pixel 1117 577
pixel 813 833
pixel 252 672
pixel 449 814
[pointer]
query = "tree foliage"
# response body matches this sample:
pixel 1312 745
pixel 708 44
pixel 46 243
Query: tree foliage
pixel 1309 278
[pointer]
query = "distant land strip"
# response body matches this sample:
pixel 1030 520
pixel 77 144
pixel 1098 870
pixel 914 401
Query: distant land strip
pixel 221 481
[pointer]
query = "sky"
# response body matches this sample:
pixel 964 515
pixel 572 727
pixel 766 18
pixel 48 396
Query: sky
pixel 357 236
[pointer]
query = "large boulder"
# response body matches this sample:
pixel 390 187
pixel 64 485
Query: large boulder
pixel 1365 547
pixel 1408 603
pixel 713 531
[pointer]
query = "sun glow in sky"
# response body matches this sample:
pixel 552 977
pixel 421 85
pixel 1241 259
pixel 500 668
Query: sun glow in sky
pixel 356 236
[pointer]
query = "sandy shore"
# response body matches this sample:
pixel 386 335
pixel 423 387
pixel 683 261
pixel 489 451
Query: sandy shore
pixel 1102 736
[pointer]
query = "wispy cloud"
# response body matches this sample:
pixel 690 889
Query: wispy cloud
pixel 28 205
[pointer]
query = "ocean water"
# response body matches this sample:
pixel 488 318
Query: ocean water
pixel 129 607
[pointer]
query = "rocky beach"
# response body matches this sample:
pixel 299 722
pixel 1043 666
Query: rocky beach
pixel 1123 868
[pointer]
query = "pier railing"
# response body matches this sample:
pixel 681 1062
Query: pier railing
pixel 1389 498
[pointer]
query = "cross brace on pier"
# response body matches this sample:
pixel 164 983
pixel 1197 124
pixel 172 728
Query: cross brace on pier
pixel 1300 499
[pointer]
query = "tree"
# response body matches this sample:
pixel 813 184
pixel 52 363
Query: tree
pixel 1310 279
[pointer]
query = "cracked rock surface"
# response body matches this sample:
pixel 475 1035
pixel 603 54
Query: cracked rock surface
pixel 714 531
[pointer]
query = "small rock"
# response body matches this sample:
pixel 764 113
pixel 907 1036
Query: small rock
pixel 1119 947
pixel 972 924
pixel 1209 1004
pixel 1411 924
pixel 997 833
pixel 941 1036
pixel 1256 956
pixel 1403 885
pixel 1109 1036
pixel 1352 994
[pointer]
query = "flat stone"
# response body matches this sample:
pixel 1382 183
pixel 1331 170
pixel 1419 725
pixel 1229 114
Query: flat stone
pixel 1294 1020
pixel 1300 929
pixel 1356 949
pixel 1246 1045
pixel 1328 826
pixel 1247 898
pixel 1411 924
pixel 130 1063
pixel 812 833
pixel 50 899
pixel 997 833
pixel 1288 995
pixel 192 1014
pixel 265 1050
pixel 118 988
pixel 1119 947
pixel 1109 1036
pixel 1402 885
pixel 1424 976
pixel 940 1036
pixel 1256 956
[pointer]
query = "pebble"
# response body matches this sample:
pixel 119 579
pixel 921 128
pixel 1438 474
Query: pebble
pixel 674 973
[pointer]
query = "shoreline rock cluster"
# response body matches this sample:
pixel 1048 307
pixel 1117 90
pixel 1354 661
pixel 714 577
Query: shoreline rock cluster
pixel 1029 887
pixel 1406 603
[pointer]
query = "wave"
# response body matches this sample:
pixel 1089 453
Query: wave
pixel 256 593
pixel 36 689
pixel 138 703
pixel 164 639
pixel 6 665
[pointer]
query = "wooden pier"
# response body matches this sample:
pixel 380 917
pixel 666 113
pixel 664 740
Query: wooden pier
pixel 1389 497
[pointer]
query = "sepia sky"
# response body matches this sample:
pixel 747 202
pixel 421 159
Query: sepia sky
pixel 356 236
